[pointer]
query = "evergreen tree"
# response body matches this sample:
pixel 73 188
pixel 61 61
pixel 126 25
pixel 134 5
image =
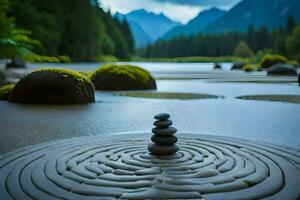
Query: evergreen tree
pixel 5 21
pixel 250 38
pixel 293 44
pixel 243 50
pixel 127 35
pixel 262 37
pixel 78 28
pixel 290 24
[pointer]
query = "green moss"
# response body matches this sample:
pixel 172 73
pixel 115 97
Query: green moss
pixel 278 98
pixel 66 72
pixel 167 95
pixel 249 68
pixel 269 60
pixel 54 86
pixel 5 92
pixel 86 74
pixel 294 63
pixel 122 77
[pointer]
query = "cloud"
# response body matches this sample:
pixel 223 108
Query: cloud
pixel 177 12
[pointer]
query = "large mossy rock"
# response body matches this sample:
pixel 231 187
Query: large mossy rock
pixel 122 77
pixel 249 68
pixel 53 86
pixel 270 60
pixel 282 69
pixel 5 92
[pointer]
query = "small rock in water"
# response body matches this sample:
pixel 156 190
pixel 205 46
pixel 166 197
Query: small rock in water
pixel 164 123
pixel 162 116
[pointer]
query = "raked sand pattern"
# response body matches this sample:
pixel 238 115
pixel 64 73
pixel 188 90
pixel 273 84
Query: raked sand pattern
pixel 120 167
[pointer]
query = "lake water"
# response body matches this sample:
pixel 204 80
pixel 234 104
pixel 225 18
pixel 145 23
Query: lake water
pixel 273 122
pixel 154 67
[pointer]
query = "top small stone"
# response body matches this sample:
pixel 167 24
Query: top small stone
pixel 162 116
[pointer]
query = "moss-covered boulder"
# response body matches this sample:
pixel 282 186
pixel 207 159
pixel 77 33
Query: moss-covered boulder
pixel 5 92
pixel 270 60
pixel 249 68
pixel 122 77
pixel 53 86
pixel 282 69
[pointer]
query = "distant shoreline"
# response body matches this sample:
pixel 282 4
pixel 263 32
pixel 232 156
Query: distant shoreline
pixel 202 59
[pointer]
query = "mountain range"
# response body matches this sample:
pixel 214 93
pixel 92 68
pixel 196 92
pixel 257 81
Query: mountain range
pixel 197 24
pixel 272 13
pixel 147 27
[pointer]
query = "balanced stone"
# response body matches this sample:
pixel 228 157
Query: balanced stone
pixel 164 131
pixel 163 123
pixel 164 140
pixel 162 149
pixel 162 116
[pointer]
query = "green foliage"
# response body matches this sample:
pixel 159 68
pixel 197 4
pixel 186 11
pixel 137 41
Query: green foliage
pixel 259 40
pixel 5 21
pixel 122 77
pixel 290 24
pixel 293 44
pixel 48 59
pixel 5 92
pixel 294 63
pixel 13 42
pixel 17 43
pixel 79 29
pixel 269 60
pixel 107 58
pixel 196 45
pixel 36 16
pixel 249 68
pixel 53 86
pixel 243 50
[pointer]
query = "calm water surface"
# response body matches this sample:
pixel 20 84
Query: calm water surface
pixel 150 66
pixel 273 122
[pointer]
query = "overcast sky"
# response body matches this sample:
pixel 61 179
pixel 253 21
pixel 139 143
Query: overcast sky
pixel 178 10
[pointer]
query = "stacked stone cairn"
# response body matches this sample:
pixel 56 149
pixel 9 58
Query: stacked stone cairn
pixel 163 138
